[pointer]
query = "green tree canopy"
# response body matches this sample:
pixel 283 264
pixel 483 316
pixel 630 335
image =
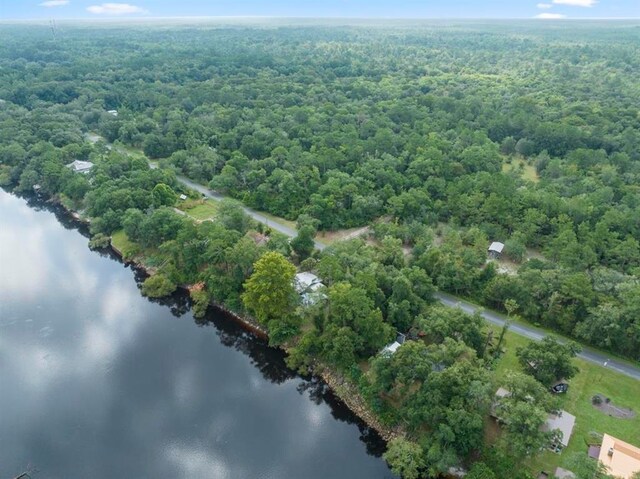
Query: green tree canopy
pixel 163 195
pixel 548 360
pixel 405 458
pixel 523 412
pixel 269 292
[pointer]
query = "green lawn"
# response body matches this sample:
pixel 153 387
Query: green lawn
pixel 121 242
pixel 591 379
pixel 203 211
pixel 151 258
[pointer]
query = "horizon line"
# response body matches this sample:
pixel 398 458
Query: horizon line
pixel 279 17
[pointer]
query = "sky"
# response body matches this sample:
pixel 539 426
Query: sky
pixel 411 9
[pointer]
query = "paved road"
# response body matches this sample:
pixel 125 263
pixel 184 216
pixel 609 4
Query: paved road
pixel 446 299
pixel 285 230
pixel 535 334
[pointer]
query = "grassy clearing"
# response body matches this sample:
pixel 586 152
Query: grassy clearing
pixel 592 379
pixel 204 210
pixel 546 331
pixel 132 151
pixel 527 172
pixel 152 258
pixel 121 242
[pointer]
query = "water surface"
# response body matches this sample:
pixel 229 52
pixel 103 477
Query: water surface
pixel 98 382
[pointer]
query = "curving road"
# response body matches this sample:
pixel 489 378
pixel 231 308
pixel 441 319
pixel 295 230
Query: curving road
pixel 446 299
pixel 530 332
pixel 260 218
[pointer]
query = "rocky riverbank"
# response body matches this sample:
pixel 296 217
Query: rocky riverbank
pixel 350 395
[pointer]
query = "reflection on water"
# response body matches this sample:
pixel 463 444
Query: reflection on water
pixel 97 381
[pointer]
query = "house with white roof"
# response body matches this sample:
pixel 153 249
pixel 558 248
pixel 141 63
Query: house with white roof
pixel 309 287
pixel 79 166
pixel 390 349
pixel 500 394
pixel 495 249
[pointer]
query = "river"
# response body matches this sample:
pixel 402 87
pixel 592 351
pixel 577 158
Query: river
pixel 97 381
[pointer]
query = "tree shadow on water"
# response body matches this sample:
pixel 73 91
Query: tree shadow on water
pixel 269 361
pixel 319 392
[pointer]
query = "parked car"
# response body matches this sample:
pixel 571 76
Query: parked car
pixel 560 388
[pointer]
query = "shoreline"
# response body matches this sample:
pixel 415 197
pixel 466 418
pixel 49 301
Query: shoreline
pixel 340 387
pixel 345 391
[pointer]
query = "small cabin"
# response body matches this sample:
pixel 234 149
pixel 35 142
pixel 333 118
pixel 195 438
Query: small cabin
pixel 113 113
pixel 79 166
pixel 183 197
pixel 563 422
pixel 495 249
pixel 500 394
pixel 391 348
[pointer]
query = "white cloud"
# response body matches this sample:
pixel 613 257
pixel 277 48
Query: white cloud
pixel 194 461
pixel 576 3
pixel 544 5
pixel 115 9
pixel 550 16
pixel 54 3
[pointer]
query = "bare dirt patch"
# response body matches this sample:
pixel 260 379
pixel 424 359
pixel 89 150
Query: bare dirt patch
pixel 330 237
pixel 604 404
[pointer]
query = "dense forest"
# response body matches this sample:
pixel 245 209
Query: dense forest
pixel 441 138
pixel 415 126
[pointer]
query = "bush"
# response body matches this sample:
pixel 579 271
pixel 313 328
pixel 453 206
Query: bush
pixel 481 471
pixel 157 286
pixel 308 264
pixel 200 302
pixel 99 240
pixel 283 329
pixel 405 458
pixel 515 248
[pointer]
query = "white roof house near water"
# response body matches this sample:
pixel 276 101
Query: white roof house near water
pixel 305 281
pixel 308 286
